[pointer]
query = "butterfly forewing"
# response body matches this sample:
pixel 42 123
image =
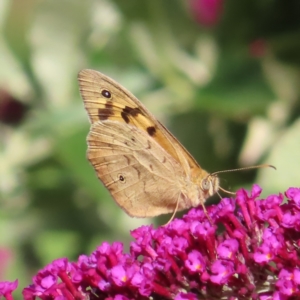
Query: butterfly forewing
pixel 120 105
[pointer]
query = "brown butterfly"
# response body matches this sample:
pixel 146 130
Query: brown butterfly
pixel 145 168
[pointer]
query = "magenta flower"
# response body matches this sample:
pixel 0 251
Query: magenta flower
pixel 256 256
pixel 6 288
pixel 207 12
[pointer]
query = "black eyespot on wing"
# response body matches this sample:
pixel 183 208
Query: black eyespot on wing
pixel 151 130
pixel 106 112
pixel 106 94
pixel 121 178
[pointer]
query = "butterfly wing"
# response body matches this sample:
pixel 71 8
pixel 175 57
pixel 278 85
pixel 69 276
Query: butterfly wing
pixel 141 176
pixel 105 99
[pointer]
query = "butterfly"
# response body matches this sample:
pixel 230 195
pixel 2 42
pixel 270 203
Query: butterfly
pixel 145 168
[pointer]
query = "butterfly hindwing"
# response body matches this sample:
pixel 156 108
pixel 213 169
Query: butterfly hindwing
pixel 144 183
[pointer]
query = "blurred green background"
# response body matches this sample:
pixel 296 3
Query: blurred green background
pixel 222 75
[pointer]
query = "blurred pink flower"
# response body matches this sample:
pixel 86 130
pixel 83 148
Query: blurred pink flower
pixel 207 12
pixel 258 48
pixel 6 257
pixel 12 111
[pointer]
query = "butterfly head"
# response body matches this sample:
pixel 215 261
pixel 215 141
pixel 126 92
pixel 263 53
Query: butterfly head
pixel 210 185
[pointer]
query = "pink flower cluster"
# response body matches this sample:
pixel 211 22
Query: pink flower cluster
pixel 207 12
pixel 251 252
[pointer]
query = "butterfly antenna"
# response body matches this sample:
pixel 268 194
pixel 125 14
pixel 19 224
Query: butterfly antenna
pixel 240 169
pixel 243 169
